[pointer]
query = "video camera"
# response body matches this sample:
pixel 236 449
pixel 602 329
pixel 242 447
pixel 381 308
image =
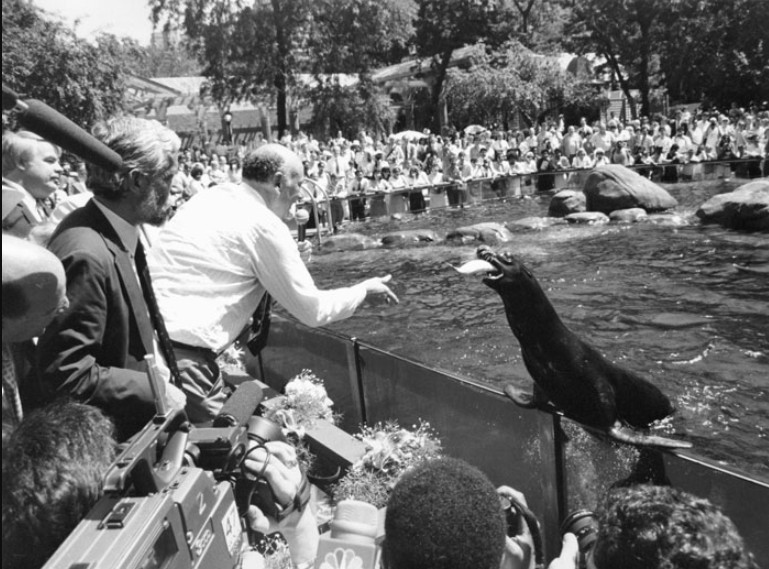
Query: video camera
pixel 170 496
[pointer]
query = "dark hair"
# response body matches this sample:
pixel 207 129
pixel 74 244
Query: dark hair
pixel 444 514
pixel 15 300
pixel 53 465
pixel 261 167
pixel 659 527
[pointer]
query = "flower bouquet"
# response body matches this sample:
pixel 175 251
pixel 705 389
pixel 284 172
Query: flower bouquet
pixel 392 450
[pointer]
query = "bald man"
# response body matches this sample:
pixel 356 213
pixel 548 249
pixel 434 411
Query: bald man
pixel 220 254
pixel 31 172
pixel 33 294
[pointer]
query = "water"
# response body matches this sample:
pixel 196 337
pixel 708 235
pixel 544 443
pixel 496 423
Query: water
pixel 664 301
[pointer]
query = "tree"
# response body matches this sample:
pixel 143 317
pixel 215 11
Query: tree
pixel 715 51
pixel 44 59
pixel 625 32
pixel 445 25
pixel 259 50
pixel 511 79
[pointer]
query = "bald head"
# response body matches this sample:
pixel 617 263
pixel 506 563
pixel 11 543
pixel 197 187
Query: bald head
pixel 33 289
pixel 276 173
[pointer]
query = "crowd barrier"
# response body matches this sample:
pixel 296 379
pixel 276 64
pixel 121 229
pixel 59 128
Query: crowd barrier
pixel 522 448
pixel 478 190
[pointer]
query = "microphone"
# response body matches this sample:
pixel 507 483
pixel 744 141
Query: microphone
pixel 302 216
pixel 352 536
pixel 58 129
pixel 240 406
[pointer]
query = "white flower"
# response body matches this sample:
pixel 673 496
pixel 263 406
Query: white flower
pixel 341 559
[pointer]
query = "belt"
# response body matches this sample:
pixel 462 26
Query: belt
pixel 208 352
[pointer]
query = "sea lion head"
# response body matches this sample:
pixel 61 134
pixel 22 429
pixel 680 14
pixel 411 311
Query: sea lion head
pixel 503 272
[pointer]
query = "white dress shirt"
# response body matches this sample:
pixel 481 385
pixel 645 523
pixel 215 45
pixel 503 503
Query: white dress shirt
pixel 213 261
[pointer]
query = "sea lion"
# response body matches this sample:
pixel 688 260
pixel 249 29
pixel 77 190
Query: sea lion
pixel 567 371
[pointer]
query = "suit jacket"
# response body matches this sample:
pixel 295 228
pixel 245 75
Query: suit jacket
pixel 95 351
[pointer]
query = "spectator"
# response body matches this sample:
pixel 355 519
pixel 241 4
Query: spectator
pixel 359 188
pixel 418 181
pixel 600 158
pixel 603 139
pixel 582 161
pixel 658 527
pixel 545 165
pixel 222 252
pixel 571 144
pixel 53 465
pixel 95 351
pixel 621 155
pixel 33 294
pixel 31 174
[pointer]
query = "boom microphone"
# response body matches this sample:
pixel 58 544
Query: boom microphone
pixel 240 406
pixel 58 129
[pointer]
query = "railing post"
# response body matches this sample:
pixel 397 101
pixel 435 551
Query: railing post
pixel 355 379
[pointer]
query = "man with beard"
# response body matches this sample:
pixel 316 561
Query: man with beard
pixel 95 351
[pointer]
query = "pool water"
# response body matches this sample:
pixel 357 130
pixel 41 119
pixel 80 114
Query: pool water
pixel 665 301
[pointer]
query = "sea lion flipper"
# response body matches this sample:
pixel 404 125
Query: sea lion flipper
pixel 534 400
pixel 624 434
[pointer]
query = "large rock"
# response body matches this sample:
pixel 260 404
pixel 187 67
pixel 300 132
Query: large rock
pixel 565 202
pixel 746 208
pixel 409 238
pixel 348 242
pixel 489 232
pixel 612 187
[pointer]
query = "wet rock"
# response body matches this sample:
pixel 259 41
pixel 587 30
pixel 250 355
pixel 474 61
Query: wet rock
pixel 612 187
pixel 746 208
pixel 349 242
pixel 628 215
pixel 409 238
pixel 489 232
pixel 565 202
pixel 588 218
pixel 535 223
pixel 665 219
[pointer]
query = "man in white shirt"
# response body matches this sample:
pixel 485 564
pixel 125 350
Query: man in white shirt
pixel 217 257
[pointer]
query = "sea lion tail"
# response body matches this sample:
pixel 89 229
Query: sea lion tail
pixel 624 434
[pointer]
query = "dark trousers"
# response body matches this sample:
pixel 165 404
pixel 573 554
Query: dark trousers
pixel 358 209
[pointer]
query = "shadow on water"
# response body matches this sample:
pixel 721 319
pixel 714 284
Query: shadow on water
pixel 665 301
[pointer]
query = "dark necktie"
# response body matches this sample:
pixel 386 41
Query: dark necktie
pixel 157 319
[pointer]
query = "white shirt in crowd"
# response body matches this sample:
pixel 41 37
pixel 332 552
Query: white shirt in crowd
pixel 213 261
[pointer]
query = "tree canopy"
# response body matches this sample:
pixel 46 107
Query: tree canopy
pixel 44 59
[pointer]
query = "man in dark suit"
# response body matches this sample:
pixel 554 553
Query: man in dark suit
pixel 95 351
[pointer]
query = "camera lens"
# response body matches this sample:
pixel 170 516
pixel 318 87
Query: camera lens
pixel 584 525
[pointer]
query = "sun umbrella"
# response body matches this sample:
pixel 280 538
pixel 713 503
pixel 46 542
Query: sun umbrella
pixel 474 129
pixel 409 135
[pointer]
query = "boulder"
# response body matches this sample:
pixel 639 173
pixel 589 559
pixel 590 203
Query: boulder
pixel 746 208
pixel 588 218
pixel 489 232
pixel 348 242
pixel 565 202
pixel 534 223
pixel 613 187
pixel 628 215
pixel 409 238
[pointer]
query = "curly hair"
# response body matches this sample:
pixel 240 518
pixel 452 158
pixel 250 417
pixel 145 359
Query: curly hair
pixel 53 465
pixel 444 514
pixel 262 164
pixel 659 527
pixel 144 145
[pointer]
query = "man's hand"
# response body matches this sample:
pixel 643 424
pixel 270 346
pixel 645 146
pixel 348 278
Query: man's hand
pixel 519 549
pixel 377 285
pixel 278 465
pixel 569 557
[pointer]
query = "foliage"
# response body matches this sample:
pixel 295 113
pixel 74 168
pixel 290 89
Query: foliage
pixel 170 61
pixel 508 80
pixel 350 109
pixel 44 59
pixel 716 52
pixel 391 451
pixel 443 26
pixel 290 37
